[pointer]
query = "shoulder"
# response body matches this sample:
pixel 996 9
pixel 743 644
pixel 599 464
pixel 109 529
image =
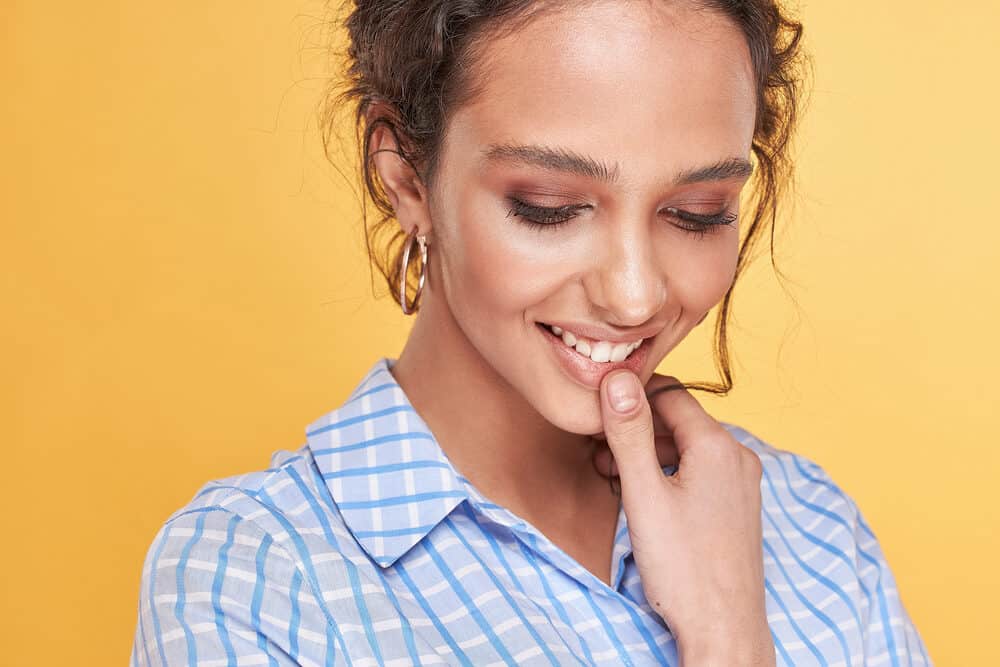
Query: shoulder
pixel 821 552
pixel 792 470
pixel 768 452
pixel 794 485
pixel 809 519
pixel 284 509
pixel 247 509
pixel 225 570
pixel 256 494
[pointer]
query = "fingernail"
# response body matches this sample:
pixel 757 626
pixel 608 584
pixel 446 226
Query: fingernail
pixel 623 391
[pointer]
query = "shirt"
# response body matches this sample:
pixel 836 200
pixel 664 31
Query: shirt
pixel 365 546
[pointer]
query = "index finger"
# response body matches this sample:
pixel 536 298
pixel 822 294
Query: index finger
pixel 679 410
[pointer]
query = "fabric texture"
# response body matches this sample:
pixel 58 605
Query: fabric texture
pixel 367 547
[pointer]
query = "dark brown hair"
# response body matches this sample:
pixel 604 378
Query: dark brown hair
pixel 412 62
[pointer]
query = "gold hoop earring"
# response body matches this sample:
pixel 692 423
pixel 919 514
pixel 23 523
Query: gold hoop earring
pixel 405 261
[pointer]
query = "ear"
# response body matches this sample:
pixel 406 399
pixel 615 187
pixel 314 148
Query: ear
pixel 402 184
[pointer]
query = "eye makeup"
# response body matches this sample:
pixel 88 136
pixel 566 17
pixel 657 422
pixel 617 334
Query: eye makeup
pixel 699 223
pixel 543 216
pixel 551 218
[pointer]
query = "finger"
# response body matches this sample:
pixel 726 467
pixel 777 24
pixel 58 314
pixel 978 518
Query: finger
pixel 659 428
pixel 666 451
pixel 681 413
pixel 628 426
pixel 666 455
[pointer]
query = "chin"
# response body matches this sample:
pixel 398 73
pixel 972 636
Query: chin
pixel 576 412
pixel 572 407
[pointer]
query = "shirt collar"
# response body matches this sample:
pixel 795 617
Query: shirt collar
pixel 393 483
pixel 390 478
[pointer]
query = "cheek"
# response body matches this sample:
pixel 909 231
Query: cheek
pixel 701 271
pixel 499 267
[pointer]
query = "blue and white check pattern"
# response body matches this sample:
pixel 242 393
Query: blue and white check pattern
pixel 366 547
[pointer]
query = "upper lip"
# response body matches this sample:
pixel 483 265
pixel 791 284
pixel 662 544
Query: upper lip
pixel 600 333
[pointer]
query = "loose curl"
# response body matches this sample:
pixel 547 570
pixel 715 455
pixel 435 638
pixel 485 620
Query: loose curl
pixel 412 63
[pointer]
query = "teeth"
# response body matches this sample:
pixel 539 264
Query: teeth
pixel 599 351
pixel 620 351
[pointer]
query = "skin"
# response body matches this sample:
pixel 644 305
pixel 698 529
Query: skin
pixel 669 89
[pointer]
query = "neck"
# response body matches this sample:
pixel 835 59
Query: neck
pixel 497 440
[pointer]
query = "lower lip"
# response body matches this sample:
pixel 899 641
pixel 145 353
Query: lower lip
pixel 587 371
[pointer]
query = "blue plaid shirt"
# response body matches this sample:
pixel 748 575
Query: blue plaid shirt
pixel 366 547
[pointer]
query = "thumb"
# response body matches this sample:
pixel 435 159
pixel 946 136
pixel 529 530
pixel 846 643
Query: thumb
pixel 628 427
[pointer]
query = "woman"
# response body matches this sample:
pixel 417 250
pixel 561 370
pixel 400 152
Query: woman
pixel 571 173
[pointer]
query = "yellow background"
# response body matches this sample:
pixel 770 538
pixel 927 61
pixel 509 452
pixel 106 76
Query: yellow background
pixel 184 289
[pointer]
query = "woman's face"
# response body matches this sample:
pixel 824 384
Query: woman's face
pixel 620 115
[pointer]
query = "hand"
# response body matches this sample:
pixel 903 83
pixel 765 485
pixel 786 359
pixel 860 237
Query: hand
pixel 666 451
pixel 696 535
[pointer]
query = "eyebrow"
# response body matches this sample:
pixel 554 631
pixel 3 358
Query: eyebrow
pixel 562 159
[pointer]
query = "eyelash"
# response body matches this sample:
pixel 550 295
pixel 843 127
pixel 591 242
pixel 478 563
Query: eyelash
pixel 533 216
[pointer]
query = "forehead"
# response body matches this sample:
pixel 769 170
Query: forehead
pixel 647 85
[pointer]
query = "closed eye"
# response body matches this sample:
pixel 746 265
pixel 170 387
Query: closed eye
pixel 547 217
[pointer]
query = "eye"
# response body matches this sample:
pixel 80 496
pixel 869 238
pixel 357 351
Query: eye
pixel 701 224
pixel 542 217
pixel 545 217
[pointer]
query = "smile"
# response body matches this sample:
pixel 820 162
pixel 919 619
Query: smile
pixel 596 350
pixel 576 356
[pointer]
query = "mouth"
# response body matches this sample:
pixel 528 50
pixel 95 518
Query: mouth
pixel 596 351
pixel 587 362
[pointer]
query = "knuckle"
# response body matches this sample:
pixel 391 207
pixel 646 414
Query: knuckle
pixel 753 464
pixel 719 443
pixel 717 440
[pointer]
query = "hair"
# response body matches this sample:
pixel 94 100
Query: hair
pixel 411 63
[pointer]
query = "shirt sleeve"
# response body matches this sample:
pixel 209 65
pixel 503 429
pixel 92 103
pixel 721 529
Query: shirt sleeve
pixel 890 636
pixel 218 589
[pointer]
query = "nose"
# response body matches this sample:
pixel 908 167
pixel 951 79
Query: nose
pixel 626 280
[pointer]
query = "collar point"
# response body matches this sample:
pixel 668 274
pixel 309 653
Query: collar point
pixel 386 561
